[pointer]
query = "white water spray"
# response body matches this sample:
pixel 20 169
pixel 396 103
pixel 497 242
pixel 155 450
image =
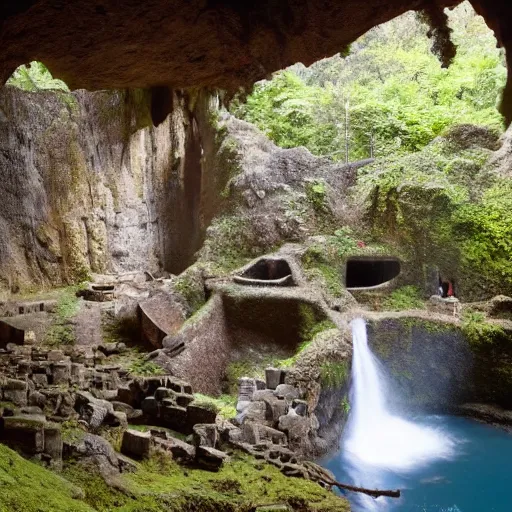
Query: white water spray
pixel 375 438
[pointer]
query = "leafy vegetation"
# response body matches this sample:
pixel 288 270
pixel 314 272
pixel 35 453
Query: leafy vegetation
pixel 406 297
pixel 390 95
pixel 144 368
pixel 334 374
pixel 478 330
pixel 225 405
pixel 35 77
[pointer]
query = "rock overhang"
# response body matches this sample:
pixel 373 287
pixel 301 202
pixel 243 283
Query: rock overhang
pixel 221 43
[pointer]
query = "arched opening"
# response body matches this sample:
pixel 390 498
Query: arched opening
pixel 370 272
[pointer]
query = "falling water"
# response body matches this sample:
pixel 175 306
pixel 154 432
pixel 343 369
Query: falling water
pixel 375 438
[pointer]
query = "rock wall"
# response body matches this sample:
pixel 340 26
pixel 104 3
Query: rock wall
pixel 434 367
pixel 88 184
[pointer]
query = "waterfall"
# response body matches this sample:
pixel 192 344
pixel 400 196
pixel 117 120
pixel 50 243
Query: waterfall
pixel 375 438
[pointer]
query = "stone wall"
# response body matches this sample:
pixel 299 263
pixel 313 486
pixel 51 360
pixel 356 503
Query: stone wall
pixel 88 184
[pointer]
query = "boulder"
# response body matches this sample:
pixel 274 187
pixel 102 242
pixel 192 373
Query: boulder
pixel 15 391
pixel 136 444
pixel 205 435
pixel 199 414
pixel 210 459
pixel 180 450
pixel 287 391
pixel 92 449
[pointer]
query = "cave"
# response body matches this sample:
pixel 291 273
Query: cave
pixel 370 272
pixel 267 271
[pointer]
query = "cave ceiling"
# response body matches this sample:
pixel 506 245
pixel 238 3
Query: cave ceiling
pixel 107 44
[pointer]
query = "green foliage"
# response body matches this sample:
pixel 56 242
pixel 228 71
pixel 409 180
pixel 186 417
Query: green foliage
pixel 478 331
pixel 144 368
pixel 334 374
pixel 484 231
pixel 345 405
pixel 28 487
pixel 390 95
pixel 406 297
pixel 224 405
pixel 35 77
pixel 62 330
pixel 288 111
pixel 316 193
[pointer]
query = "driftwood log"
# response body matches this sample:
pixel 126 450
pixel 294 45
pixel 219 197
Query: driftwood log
pixel 374 493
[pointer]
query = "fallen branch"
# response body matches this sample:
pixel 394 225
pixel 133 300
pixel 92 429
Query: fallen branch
pixel 374 493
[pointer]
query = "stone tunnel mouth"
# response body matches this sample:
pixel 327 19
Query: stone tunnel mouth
pixel 370 272
pixel 267 272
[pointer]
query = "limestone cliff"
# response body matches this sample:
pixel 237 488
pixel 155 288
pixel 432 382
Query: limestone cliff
pixel 88 184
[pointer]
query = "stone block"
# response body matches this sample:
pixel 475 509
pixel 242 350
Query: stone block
pixel 183 399
pixel 180 450
pixel 175 418
pixel 61 373
pixel 210 459
pixel 40 380
pixel 287 391
pixel 205 435
pixel 23 433
pixel 162 393
pixel 136 444
pixel 53 442
pixel 199 414
pixel 179 386
pixel 55 356
pixel 15 391
pixel 273 377
pixel 150 407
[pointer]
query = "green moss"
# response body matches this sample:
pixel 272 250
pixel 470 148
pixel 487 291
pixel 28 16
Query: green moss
pixel 228 245
pixel 28 487
pixel 334 374
pixel 478 331
pixel 72 432
pixel 192 290
pixel 62 330
pixel 225 405
pixel 144 368
pixel 404 298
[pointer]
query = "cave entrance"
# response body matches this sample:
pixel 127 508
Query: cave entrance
pixel 370 272
pixel 267 271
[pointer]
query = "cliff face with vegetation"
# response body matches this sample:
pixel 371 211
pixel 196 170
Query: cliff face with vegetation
pixel 89 185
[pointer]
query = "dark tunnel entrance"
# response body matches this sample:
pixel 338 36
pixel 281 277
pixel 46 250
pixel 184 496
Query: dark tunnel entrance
pixel 268 269
pixel 369 272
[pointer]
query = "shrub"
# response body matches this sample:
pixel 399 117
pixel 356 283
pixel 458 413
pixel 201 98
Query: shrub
pixel 406 297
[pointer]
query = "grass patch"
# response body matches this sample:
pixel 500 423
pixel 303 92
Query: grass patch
pixel 334 375
pixel 28 487
pixel 62 330
pixel 141 367
pixel 404 298
pixel 224 405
